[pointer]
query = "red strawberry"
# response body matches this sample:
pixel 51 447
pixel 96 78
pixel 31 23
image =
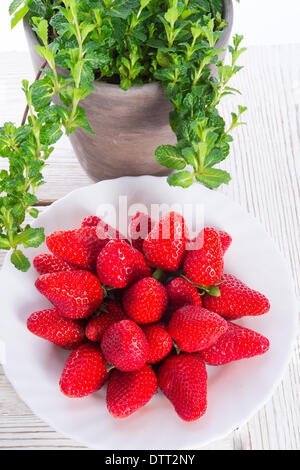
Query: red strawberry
pixel 236 300
pixel 139 227
pixel 84 372
pixel 183 379
pixel 237 343
pixel 194 328
pixel 125 346
pixel 160 342
pixel 98 325
pixel 225 240
pixel 164 246
pixel 90 221
pixel 104 231
pixel 145 301
pixel 79 247
pixel 47 263
pixel 50 325
pixel 119 264
pixel 181 292
pixel 204 265
pixel 75 294
pixel 129 391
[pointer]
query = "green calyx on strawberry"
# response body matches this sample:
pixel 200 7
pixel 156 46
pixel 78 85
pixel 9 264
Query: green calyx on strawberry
pixel 201 289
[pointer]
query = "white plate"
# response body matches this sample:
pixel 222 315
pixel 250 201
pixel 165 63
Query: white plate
pixel 235 391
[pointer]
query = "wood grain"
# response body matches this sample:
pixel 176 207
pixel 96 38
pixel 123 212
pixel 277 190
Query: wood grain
pixel 264 165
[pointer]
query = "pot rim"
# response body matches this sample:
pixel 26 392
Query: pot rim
pixel 153 86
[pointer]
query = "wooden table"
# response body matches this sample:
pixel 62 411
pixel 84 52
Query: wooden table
pixel 264 165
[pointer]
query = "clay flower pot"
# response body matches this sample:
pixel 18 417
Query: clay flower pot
pixel 129 125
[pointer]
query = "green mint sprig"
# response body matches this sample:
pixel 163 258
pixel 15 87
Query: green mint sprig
pixel 125 42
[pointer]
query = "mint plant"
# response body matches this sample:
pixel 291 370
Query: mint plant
pixel 125 42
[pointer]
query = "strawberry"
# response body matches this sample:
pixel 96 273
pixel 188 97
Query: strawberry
pixel 47 263
pixel 79 247
pixel 181 292
pixel 183 379
pixel 237 343
pixel 75 294
pixel 119 264
pixel 194 328
pixel 204 265
pixel 129 391
pixel 164 246
pixel 139 227
pixel 84 372
pixel 225 240
pixel 160 342
pixel 145 301
pixel 125 346
pixel 236 300
pixel 104 231
pixel 50 325
pixel 96 327
pixel 90 221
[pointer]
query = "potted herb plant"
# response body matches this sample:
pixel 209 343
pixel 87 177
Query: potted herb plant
pixel 132 78
pixel 127 109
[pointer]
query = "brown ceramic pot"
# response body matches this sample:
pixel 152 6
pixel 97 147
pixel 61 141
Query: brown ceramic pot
pixel 129 125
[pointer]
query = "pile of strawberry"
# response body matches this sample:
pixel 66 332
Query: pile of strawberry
pixel 144 313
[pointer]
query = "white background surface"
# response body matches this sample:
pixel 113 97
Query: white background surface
pixel 276 23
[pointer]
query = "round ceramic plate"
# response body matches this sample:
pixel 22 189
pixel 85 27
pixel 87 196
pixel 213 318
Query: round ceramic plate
pixel 235 391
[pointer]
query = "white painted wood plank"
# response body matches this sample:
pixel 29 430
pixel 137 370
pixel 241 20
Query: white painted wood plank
pixel 264 165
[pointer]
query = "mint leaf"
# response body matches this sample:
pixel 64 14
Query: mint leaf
pixel 33 212
pixel 30 237
pixel 169 156
pixel 213 177
pixel 19 15
pixel 183 179
pixel 190 156
pixel 4 242
pixel 20 261
pixel 14 6
pixel 214 157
